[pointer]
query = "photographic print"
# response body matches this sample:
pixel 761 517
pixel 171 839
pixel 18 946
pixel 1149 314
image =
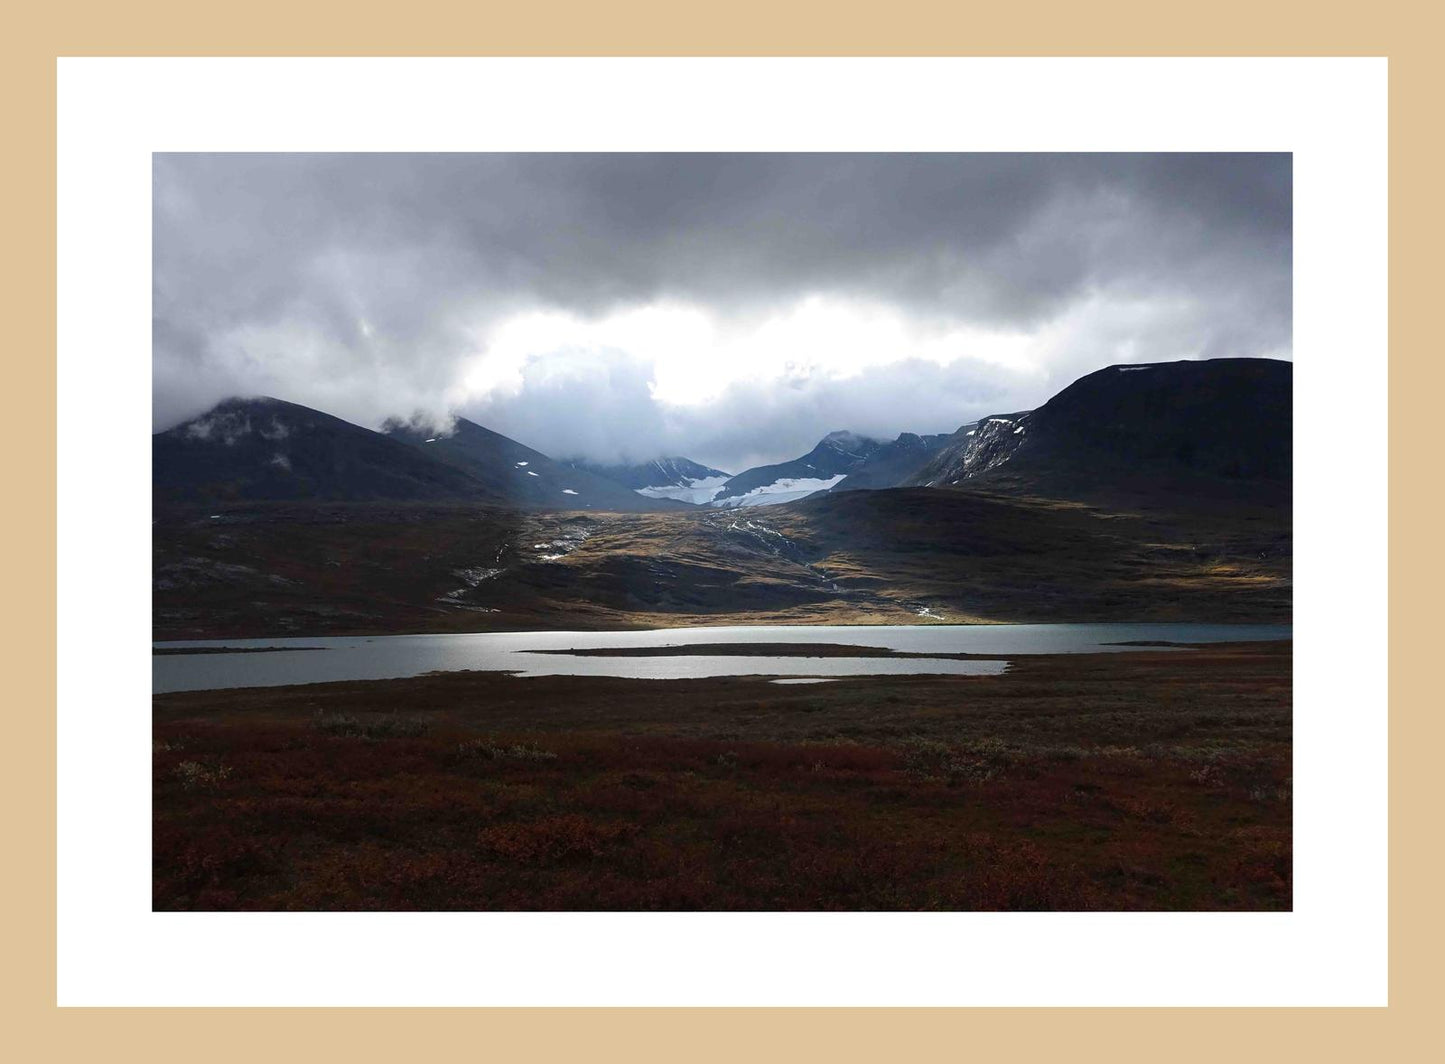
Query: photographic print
pixel 722 532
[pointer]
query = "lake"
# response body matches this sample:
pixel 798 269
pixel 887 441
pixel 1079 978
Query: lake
pixel 299 660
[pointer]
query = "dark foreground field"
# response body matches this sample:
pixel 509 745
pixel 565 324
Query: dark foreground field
pixel 1138 780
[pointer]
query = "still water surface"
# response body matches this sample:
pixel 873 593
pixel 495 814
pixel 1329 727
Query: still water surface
pixel 389 657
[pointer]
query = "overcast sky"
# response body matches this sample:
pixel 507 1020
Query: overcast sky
pixel 731 308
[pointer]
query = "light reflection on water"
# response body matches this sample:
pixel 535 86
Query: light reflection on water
pixel 388 657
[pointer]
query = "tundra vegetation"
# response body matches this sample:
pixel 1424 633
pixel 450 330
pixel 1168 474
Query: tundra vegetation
pixel 1134 780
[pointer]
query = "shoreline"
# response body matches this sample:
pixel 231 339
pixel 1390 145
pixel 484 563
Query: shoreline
pixel 1273 622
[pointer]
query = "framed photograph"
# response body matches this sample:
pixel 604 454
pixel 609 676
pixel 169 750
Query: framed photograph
pixel 758 531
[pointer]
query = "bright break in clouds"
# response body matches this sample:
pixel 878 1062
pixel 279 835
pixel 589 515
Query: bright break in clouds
pixel 732 308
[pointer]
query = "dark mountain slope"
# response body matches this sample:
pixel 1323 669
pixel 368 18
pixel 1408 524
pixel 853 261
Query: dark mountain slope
pixel 893 463
pixel 267 449
pixel 1217 426
pixel 519 475
pixel 673 472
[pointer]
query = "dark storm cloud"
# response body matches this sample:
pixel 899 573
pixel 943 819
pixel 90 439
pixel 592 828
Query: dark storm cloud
pixel 364 284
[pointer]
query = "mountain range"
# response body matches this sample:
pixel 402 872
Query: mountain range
pixel 265 449
pixel 1179 426
pixel 509 472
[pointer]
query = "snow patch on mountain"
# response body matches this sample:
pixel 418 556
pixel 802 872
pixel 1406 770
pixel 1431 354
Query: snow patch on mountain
pixel 694 489
pixel 833 458
pixel 672 479
pixel 788 489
